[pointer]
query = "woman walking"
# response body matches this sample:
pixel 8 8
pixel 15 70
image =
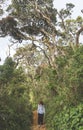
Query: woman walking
pixel 41 112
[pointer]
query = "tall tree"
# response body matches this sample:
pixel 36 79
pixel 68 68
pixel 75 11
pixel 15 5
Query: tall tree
pixel 37 22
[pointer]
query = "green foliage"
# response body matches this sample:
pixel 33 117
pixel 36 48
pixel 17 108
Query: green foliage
pixel 6 70
pixel 15 114
pixel 15 107
pixel 60 84
pixel 65 109
pixel 68 119
pixel 76 78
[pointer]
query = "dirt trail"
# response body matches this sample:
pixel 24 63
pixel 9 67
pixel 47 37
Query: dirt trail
pixel 35 126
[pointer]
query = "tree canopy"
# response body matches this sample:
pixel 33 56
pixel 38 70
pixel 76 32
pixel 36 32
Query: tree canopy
pixel 48 65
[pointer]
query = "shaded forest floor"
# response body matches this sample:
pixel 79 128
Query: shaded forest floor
pixel 35 125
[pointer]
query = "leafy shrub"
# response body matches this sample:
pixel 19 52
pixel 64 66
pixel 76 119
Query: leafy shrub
pixel 68 119
pixel 15 114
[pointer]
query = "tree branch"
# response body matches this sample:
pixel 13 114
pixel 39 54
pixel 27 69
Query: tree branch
pixel 77 36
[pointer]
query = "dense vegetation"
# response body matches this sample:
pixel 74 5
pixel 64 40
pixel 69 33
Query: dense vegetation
pixel 47 65
pixel 15 108
pixel 65 108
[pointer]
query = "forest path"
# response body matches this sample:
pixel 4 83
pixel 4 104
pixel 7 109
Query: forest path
pixel 35 125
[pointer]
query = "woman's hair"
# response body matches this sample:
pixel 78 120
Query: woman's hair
pixel 41 102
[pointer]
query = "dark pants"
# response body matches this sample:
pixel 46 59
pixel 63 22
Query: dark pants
pixel 40 119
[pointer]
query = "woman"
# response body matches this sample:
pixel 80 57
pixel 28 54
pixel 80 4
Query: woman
pixel 41 112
